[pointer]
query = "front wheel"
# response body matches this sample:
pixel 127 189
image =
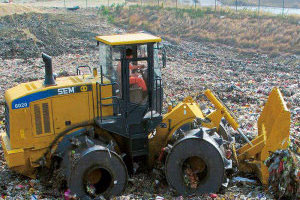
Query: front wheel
pixel 195 166
pixel 97 172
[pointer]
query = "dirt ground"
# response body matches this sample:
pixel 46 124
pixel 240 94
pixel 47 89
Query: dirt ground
pixel 241 80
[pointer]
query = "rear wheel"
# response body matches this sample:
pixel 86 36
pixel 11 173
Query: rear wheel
pixel 98 172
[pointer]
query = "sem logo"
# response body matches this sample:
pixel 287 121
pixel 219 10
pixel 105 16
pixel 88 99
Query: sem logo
pixel 83 88
pixel 69 90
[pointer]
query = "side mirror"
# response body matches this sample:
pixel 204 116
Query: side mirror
pixel 164 57
pixel 162 50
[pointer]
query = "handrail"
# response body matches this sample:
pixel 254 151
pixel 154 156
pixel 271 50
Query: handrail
pixel 107 84
pixel 158 89
pixel 97 88
pixel 78 72
pixel 100 95
pixel 100 104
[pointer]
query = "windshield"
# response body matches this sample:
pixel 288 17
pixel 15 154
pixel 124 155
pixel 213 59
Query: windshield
pixel 105 52
pixel 111 66
pixel 109 56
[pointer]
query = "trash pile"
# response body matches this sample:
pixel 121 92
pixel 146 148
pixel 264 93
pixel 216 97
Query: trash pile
pixel 243 82
pixel 284 170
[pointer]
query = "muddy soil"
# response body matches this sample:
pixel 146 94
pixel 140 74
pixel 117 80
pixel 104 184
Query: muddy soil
pixel 26 36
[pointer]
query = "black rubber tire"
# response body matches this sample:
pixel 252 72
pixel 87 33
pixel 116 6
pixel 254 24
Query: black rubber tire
pixel 203 149
pixel 109 161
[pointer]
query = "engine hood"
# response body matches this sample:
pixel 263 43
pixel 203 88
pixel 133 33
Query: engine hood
pixel 21 95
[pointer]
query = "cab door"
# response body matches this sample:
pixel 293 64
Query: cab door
pixel 132 88
pixel 138 81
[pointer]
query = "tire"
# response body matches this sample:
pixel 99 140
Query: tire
pixel 114 174
pixel 203 149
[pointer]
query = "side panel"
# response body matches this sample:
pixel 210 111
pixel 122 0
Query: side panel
pixel 70 110
pixel 20 128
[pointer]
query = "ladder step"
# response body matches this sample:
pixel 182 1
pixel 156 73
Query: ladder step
pixel 139 145
pixel 106 121
pixel 111 97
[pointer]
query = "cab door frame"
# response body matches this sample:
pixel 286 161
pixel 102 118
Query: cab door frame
pixel 134 113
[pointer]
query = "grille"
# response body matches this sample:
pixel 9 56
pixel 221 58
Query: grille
pixel 6 118
pixel 46 118
pixel 38 120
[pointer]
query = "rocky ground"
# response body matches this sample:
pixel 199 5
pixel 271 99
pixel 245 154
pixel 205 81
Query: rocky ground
pixel 242 81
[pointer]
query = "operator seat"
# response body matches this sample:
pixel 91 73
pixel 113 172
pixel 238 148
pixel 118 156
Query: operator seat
pixel 137 95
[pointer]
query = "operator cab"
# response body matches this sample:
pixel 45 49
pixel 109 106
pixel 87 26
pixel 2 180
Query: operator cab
pixel 131 64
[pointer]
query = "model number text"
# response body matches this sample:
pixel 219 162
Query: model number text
pixel 21 105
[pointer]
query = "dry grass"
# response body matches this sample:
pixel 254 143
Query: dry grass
pixel 11 8
pixel 268 34
pixel 271 3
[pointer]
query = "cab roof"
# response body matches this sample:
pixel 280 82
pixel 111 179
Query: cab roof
pixel 129 38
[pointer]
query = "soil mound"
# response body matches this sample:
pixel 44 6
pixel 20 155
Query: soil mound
pixel 27 35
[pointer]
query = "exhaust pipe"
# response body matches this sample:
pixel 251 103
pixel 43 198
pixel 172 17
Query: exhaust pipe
pixel 49 79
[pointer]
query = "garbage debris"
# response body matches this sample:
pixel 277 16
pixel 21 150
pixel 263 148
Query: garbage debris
pixel 213 196
pixel 33 197
pixel 159 198
pixel 19 187
pixel 284 167
pixel 190 178
pixel 241 179
pixel 69 196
